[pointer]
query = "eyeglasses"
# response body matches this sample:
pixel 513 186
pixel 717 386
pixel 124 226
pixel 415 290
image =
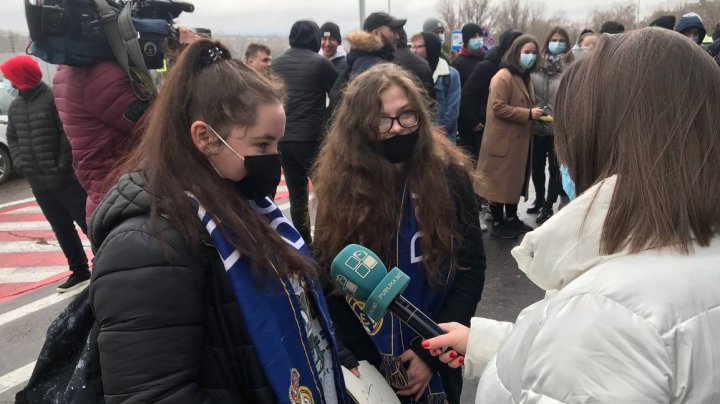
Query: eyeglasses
pixel 408 119
pixel 417 46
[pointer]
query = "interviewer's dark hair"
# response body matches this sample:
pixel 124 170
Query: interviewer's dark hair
pixel 655 124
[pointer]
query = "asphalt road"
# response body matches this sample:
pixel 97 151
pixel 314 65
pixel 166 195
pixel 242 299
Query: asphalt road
pixel 507 291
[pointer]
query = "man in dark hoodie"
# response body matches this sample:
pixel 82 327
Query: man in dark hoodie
pixel 475 91
pixel 308 78
pixel 691 26
pixel 411 62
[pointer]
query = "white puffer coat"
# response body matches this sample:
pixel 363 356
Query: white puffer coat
pixel 642 328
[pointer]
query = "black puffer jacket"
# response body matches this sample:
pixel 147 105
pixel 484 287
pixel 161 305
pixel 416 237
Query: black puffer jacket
pixel 170 330
pixel 309 78
pixel 37 142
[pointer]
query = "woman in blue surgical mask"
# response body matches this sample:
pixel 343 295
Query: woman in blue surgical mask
pixel 505 151
pixel 387 178
pixel 545 83
pixel 202 289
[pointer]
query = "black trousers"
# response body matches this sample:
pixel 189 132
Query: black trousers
pixel 544 151
pixel 297 161
pixel 496 209
pixel 61 208
pixel 470 142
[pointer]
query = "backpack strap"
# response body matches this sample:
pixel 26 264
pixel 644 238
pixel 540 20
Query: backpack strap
pixel 123 40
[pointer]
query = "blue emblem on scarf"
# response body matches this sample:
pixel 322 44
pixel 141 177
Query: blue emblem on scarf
pixel 275 322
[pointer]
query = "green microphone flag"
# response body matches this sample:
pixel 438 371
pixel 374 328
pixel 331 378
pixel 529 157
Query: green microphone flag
pixel 359 273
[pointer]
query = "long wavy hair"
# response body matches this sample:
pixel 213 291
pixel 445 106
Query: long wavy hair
pixel 654 123
pixel 358 190
pixel 224 93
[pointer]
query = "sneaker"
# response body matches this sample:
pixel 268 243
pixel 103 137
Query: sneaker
pixel 75 281
pixel 518 225
pixel 536 206
pixel 486 214
pixel 502 230
pixel 483 223
pixel 544 215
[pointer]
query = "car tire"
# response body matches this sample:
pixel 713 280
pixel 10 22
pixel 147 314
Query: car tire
pixel 5 164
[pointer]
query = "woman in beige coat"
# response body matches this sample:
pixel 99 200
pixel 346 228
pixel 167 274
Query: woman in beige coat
pixel 505 152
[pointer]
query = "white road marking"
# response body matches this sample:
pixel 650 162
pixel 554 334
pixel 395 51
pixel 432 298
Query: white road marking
pixel 37 305
pixel 27 210
pixel 17 376
pixel 33 246
pixel 20 226
pixel 29 274
pixel 13 203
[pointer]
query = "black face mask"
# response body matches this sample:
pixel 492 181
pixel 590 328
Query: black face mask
pixel 399 148
pixel 262 176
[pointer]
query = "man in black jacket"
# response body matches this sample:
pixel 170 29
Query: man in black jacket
pixel 308 77
pixel 375 44
pixel 417 66
pixel 41 152
pixel 331 46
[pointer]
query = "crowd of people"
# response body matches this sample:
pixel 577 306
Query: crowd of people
pixel 203 291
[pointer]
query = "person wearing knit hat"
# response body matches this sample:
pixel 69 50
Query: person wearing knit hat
pixel 472 50
pixel 435 26
pixel 665 21
pixel 331 45
pixel 41 152
pixel 612 27
pixel 22 71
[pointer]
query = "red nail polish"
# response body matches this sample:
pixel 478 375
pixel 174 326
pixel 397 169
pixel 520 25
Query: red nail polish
pixel 453 355
pixel 425 344
pixel 461 360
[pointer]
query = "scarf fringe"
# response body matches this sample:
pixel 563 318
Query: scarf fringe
pixel 392 368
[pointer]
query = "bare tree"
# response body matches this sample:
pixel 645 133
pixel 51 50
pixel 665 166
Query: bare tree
pixel 625 14
pixel 448 13
pixel 513 14
pixel 480 12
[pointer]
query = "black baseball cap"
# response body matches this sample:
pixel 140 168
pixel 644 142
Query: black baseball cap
pixel 377 20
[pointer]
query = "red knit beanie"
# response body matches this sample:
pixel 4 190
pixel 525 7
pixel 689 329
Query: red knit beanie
pixel 22 71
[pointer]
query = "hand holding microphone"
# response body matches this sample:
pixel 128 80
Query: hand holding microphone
pixel 360 274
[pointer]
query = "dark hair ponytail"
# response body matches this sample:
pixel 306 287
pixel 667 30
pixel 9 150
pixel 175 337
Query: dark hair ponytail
pixel 207 84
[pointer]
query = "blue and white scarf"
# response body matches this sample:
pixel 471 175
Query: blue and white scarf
pixel 274 319
pixel 391 336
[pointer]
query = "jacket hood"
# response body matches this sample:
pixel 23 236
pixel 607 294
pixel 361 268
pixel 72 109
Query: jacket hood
pixel 338 54
pixel 506 39
pixel 568 244
pixel 305 34
pixel 125 200
pixel 433 48
pixel 364 41
pixel 690 21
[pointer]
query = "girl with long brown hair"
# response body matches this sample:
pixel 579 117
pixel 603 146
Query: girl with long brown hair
pixel 504 159
pixel 202 290
pixel 388 179
pixel 632 265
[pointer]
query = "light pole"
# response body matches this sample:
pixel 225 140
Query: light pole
pixel 362 12
pixel 389 12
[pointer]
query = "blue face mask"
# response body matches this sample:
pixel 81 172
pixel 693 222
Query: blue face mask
pixel 527 60
pixel 556 47
pixel 567 183
pixel 475 44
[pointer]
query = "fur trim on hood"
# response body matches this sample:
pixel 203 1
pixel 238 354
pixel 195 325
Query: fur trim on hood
pixel 364 41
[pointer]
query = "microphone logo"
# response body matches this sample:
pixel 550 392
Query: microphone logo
pixel 346 285
pixel 361 263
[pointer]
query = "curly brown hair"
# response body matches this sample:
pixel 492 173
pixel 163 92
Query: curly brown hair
pixel 358 189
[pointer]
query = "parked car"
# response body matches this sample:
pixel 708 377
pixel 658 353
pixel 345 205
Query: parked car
pixel 5 160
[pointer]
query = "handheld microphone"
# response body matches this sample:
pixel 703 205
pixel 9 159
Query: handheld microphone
pixel 360 274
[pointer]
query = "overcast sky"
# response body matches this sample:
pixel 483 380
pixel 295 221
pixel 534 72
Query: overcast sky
pixel 268 17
